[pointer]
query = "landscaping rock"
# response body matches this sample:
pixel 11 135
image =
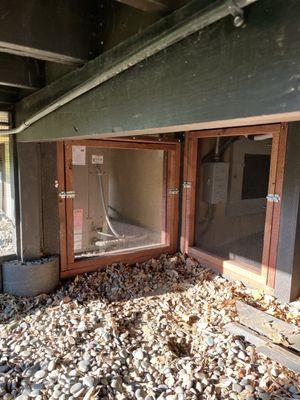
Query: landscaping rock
pixel 137 332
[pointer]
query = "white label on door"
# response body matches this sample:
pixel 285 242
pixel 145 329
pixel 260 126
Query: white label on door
pixel 78 155
pixel 97 159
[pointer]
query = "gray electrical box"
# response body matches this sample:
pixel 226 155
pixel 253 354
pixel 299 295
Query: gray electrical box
pixel 215 182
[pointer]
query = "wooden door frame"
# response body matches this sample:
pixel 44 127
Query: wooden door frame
pixel 237 270
pixel 70 267
pixel 2 182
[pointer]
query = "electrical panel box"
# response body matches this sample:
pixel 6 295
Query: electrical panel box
pixel 215 182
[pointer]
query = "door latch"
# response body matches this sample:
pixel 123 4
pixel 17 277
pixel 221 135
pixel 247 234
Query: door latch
pixel 67 195
pixel 187 185
pixel 174 191
pixel 273 198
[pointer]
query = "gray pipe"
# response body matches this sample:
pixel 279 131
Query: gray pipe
pixel 187 22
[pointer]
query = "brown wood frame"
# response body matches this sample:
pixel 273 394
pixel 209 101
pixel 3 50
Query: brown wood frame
pixel 237 270
pixel 2 168
pixel 70 267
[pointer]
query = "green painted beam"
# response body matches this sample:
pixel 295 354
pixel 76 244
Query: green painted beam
pixel 162 34
pixel 222 73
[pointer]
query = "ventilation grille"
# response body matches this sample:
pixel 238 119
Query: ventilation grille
pixel 4 121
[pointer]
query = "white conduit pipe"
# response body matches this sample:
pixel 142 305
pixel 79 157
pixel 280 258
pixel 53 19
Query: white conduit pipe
pixel 115 233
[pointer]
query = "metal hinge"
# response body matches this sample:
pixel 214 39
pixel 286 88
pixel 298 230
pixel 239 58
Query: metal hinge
pixel 67 195
pixel 273 198
pixel 174 191
pixel 187 185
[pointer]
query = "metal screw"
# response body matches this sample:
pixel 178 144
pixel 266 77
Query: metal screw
pixel 238 21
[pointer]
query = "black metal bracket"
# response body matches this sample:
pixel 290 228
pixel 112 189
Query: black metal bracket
pixel 237 12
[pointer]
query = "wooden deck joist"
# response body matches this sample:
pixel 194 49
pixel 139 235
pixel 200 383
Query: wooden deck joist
pixel 58 31
pixel 146 5
pixel 20 72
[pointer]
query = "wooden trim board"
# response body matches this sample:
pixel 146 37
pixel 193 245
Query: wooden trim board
pixel 128 257
pixel 277 206
pixel 61 205
pixel 265 346
pixel 274 328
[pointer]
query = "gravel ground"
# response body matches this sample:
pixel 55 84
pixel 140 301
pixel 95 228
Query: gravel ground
pixel 6 235
pixel 150 331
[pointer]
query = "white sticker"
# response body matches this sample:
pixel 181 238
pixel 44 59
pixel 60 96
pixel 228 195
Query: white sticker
pixel 97 159
pixel 78 155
